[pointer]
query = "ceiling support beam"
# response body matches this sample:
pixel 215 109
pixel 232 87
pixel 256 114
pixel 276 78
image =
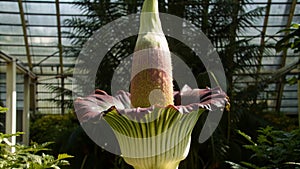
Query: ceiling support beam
pixel 24 28
pixel 59 37
pixel 263 34
pixel 60 55
pixel 262 43
pixel 19 66
pixel 280 87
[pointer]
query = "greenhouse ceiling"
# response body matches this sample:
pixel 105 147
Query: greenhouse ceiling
pixel 31 31
pixel 34 32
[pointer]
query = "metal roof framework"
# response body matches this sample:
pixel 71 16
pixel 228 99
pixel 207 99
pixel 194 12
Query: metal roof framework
pixel 32 32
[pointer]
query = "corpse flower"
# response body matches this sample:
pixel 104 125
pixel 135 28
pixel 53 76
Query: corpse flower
pixel 152 124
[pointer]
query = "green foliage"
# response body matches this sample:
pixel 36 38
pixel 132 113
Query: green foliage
pixel 51 127
pixel 280 120
pixel 272 149
pixel 69 137
pixel 88 155
pixel 291 40
pixel 3 109
pixel 292 81
pixel 28 157
pixel 221 21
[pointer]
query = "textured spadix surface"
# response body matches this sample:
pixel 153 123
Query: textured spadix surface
pixel 151 76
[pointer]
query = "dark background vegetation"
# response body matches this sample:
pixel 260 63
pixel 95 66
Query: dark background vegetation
pixel 221 21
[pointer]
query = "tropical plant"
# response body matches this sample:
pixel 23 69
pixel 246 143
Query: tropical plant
pixel 222 21
pixel 28 157
pixel 88 155
pixel 3 109
pixel 53 128
pixel 153 129
pixel 272 149
pixel 291 40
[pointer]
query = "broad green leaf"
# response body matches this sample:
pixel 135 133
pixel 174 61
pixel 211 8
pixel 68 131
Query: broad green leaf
pixel 64 156
pixel 246 136
pixel 235 165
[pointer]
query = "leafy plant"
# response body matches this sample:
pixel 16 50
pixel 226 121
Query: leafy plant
pixel 291 40
pixel 3 109
pixel 28 157
pixel 272 149
pixel 50 127
pixel 280 120
pixel 53 128
pixel 222 21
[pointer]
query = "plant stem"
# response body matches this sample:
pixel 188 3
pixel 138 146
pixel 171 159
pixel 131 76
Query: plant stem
pixel 83 161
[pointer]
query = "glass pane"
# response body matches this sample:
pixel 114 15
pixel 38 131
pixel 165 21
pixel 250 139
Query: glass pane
pixel 9 6
pixel 251 32
pixel 260 1
pixel 10 18
pixel 43 31
pixel 4 29
pixel 50 70
pixel 291 58
pixel 42 20
pixel 68 9
pixel 276 21
pixel 279 1
pixel 13 50
pixel 274 25
pixel 66 42
pixel 296 18
pixel 50 60
pixel 69 60
pixel 42 8
pixel 17 40
pixel 43 41
pixel 66 1
pixel 270 63
pixel 43 50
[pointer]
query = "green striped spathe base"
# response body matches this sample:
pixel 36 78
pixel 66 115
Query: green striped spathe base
pixel 158 140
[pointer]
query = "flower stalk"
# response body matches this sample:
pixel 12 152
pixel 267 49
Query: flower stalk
pixel 152 132
pixel 151 147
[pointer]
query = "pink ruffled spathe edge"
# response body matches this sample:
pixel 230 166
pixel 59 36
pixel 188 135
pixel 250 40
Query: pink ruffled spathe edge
pixel 95 106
